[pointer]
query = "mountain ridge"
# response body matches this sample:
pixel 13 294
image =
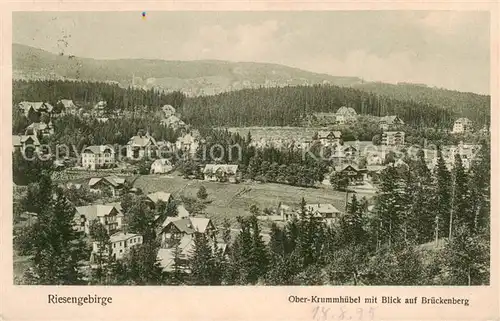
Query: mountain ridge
pixel 192 77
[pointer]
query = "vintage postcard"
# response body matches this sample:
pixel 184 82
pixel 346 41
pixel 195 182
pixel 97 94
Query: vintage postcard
pixel 265 161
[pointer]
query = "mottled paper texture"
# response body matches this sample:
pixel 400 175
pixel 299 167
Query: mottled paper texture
pixel 250 160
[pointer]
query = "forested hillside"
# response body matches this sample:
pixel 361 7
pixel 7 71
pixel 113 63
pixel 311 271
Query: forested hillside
pixel 286 106
pixel 471 105
pixel 289 105
pixel 88 93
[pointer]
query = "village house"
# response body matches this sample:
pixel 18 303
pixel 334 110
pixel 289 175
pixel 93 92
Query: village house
pixel 156 197
pixel 393 138
pixel 390 122
pixel 161 166
pixel 187 144
pixel 21 142
pixel 34 108
pixel 168 111
pixel 462 125
pixel 350 152
pixel 221 173
pixel 174 229
pixel 95 157
pixel 329 138
pixel 345 115
pixel 100 107
pixel 374 159
pixel 173 122
pixel 109 215
pixel 40 129
pixel 141 145
pixel 111 184
pixel 326 212
pixel 352 172
pixel 119 245
pixel 67 106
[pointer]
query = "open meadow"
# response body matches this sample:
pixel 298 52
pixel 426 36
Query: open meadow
pixel 232 200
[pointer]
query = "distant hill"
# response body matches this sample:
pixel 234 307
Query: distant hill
pixel 190 77
pixel 210 77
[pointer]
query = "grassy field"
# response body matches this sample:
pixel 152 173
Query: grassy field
pixel 232 200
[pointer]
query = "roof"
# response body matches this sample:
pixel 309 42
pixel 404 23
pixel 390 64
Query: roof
pixel 375 168
pixel 18 140
pixel 159 196
pixel 161 161
pixel 142 141
pixel 322 208
pixel 92 212
pixel 26 105
pixel 121 236
pixel 224 167
pixel 181 211
pixel 186 247
pixel 346 111
pixel 349 147
pixel 67 103
pixel 344 167
pixel 38 126
pixel 393 133
pixel 168 108
pixel 390 119
pixel 113 180
pixel 463 120
pixel 324 133
pixel 171 120
pixel 166 256
pixel 184 225
pixel 186 139
pixel 101 104
pixel 200 224
pixel 97 149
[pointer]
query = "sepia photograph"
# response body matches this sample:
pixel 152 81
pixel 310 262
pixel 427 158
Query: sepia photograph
pixel 245 148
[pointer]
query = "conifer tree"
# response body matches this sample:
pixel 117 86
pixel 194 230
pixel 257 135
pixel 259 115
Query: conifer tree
pixel 442 192
pixel 226 230
pixel 56 246
pixel 143 266
pixel 351 224
pixel 466 258
pixel 102 258
pixel 201 261
pixel 461 212
pixel 140 218
pixel 388 207
pixel 259 257
pixel 479 186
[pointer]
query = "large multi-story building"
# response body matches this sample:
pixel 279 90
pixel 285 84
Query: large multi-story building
pixel 462 125
pixel 94 157
pixel 393 138
pixel 109 215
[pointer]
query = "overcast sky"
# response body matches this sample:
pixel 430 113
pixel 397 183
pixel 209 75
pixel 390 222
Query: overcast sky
pixel 439 48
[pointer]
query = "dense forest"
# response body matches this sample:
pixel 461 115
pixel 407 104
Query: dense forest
pixel 286 106
pixel 86 94
pixel 471 105
pixel 289 105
